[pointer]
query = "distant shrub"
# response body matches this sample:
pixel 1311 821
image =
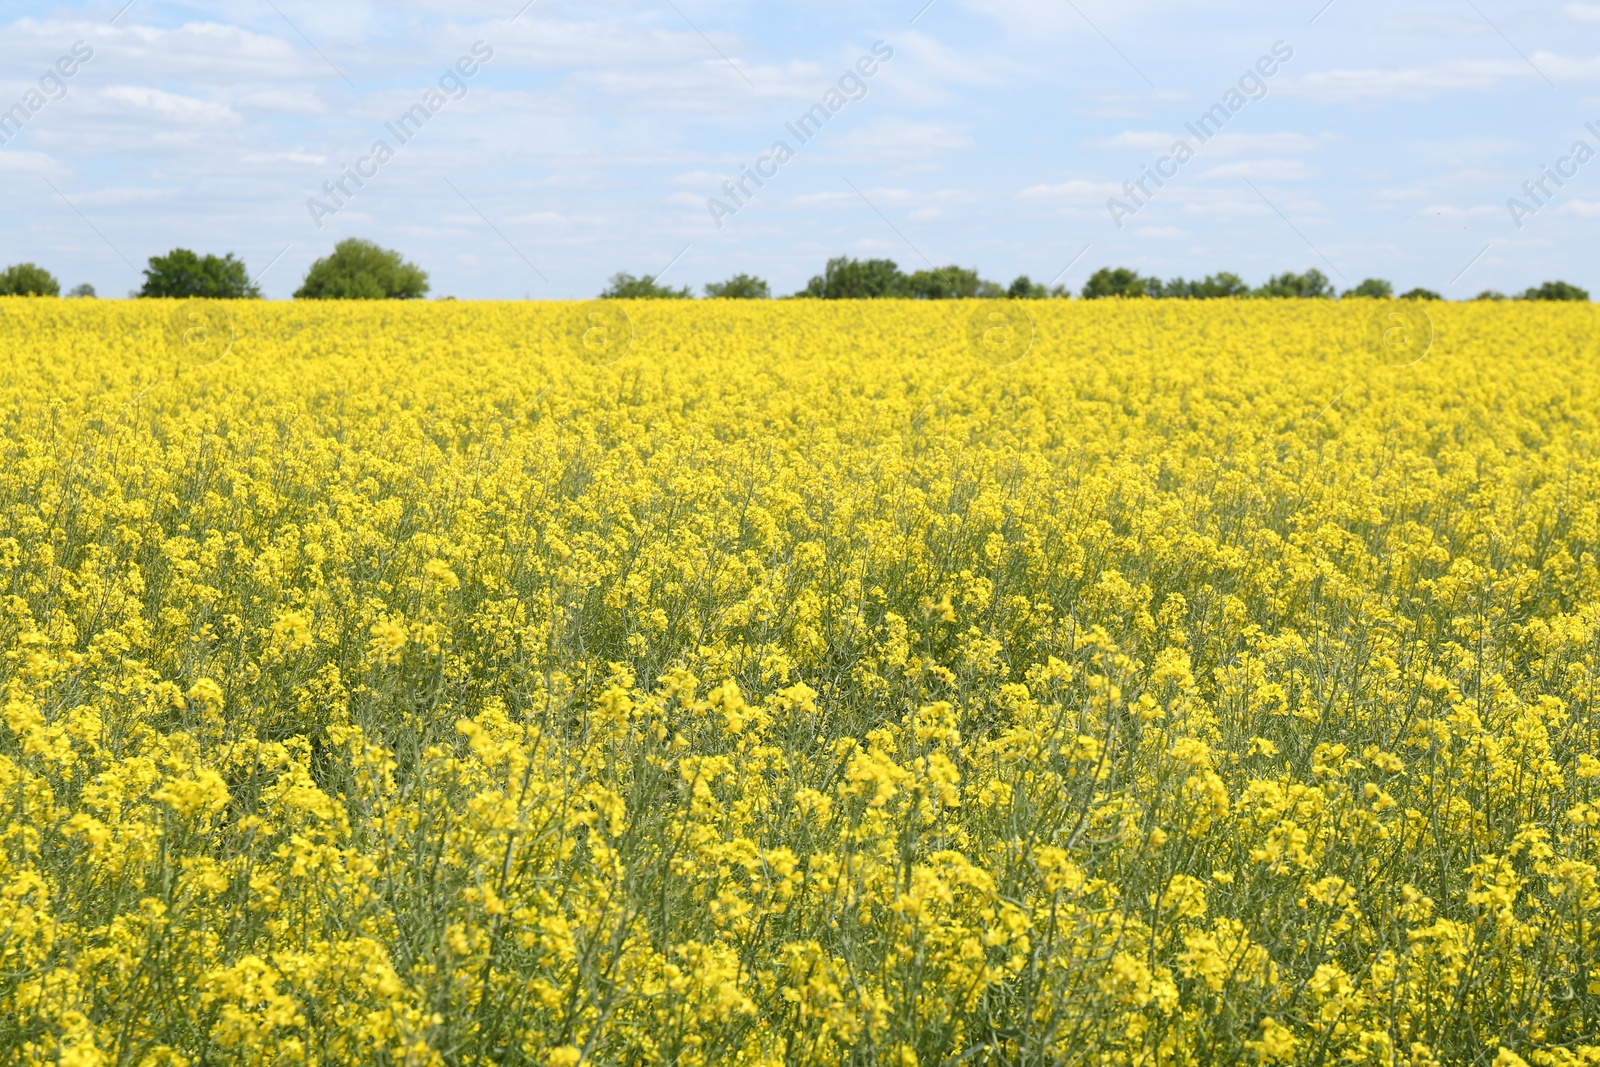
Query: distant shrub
pixel 951 283
pixel 1211 287
pixel 360 270
pixel 1313 284
pixel 183 274
pixel 28 279
pixel 1119 281
pixel 857 279
pixel 1024 288
pixel 625 286
pixel 1376 288
pixel 740 287
pixel 1556 291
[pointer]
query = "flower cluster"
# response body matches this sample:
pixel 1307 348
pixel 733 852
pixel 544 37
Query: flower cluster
pixel 403 689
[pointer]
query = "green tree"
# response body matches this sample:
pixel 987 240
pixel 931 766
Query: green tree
pixel 625 286
pixel 1212 287
pixel 855 279
pixel 1313 284
pixel 950 283
pixel 1490 294
pixel 360 270
pixel 1556 291
pixel 1025 288
pixel 28 279
pixel 85 290
pixel 182 274
pixel 740 287
pixel 1420 294
pixel 1372 287
pixel 1119 281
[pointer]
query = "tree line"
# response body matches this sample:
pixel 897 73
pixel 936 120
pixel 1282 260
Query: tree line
pixel 355 270
pixel 361 270
pixel 855 279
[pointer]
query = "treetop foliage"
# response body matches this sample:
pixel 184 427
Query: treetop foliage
pixel 740 287
pixel 625 286
pixel 360 270
pixel 28 279
pixel 182 274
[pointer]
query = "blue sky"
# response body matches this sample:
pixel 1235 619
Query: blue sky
pixel 591 141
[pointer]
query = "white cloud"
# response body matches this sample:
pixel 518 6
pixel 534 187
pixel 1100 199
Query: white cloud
pixel 892 196
pixel 14 161
pixel 312 158
pixel 170 107
pixel 283 102
pixel 890 139
pixel 1228 208
pixel 816 199
pixel 1413 83
pixel 1135 140
pixel 1459 150
pixel 1568 68
pixel 1451 211
pixel 935 67
pixel 1076 189
pixel 1264 170
pixel 1434 24
pixel 556 218
pixel 122 195
pixel 698 179
pixel 205 52
pixel 1583 12
pixel 1239 144
pixel 1436 79
pixel 1225 144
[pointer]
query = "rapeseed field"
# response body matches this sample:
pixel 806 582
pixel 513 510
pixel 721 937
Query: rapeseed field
pixel 726 682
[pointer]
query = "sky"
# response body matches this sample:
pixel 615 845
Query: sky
pixel 1404 141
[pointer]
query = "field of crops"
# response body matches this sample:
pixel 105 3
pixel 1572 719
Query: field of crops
pixel 799 682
